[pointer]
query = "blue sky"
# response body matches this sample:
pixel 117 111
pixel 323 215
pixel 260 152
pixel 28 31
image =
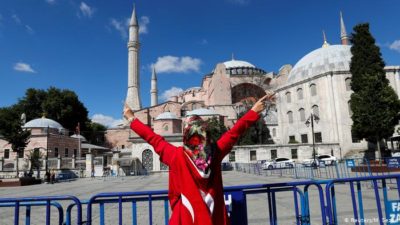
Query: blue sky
pixel 81 45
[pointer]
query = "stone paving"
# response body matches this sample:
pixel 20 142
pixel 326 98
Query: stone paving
pixel 257 204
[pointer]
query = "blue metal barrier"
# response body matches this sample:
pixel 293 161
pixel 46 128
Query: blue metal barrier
pixel 46 201
pixel 133 197
pixel 357 200
pixel 236 199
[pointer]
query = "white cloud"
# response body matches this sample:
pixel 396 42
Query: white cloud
pixel 16 18
pixel 29 29
pixel 24 67
pixel 51 1
pixel 174 91
pixel 86 10
pixel 107 121
pixel 143 22
pixel 395 45
pixel 117 25
pixel 204 42
pixel 173 64
pixel 239 2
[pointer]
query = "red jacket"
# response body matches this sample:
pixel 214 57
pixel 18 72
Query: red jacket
pixel 195 198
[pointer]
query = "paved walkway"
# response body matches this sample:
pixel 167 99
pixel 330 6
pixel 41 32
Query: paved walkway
pixel 257 204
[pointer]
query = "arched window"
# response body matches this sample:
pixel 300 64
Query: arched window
pixel 302 115
pixel 290 116
pixel 165 127
pixel 299 93
pixel 315 110
pixel 147 159
pixel 313 89
pixel 288 97
pixel 163 166
pixel 348 84
pixel 350 111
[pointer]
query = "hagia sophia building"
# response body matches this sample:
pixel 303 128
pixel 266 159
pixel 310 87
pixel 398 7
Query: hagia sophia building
pixel 316 89
pixel 318 84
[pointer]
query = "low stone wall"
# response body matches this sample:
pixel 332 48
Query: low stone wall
pixel 23 181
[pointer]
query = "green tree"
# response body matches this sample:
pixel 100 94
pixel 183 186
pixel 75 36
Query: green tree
pixel 374 103
pixel 215 128
pixel 95 133
pixel 34 157
pixel 60 105
pixel 258 133
pixel 11 130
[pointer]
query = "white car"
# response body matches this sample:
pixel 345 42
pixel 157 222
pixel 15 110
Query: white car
pixel 395 154
pixel 278 163
pixel 327 159
pixel 310 162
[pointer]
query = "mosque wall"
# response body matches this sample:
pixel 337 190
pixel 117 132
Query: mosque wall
pixel 265 152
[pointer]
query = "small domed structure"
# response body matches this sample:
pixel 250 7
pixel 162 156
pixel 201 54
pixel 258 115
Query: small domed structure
pixel 320 61
pixel 167 116
pixel 239 67
pixel 202 112
pixel 43 123
pixel 82 138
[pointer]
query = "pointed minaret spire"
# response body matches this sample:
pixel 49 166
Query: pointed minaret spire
pixel 153 91
pixel 325 44
pixel 133 21
pixel 343 34
pixel 233 56
pixel 132 97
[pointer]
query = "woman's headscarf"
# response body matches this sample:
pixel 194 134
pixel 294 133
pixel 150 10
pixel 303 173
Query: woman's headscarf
pixel 196 143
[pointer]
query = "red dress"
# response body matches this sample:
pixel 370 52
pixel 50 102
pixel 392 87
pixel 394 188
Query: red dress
pixel 195 197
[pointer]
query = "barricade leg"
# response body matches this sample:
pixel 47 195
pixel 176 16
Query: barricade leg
pixel 134 213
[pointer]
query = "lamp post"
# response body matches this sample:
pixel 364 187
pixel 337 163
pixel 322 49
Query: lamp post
pixel 47 149
pixel 309 121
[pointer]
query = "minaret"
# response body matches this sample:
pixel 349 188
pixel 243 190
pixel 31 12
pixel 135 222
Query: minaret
pixel 132 97
pixel 343 34
pixel 325 44
pixel 153 90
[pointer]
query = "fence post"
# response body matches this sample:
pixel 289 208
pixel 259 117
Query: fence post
pixel 1 163
pixel 337 169
pixel 237 207
pixel 59 162
pixel 89 165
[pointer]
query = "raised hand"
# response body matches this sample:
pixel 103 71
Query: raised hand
pixel 260 105
pixel 128 113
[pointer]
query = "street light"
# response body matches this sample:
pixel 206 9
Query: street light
pixel 47 149
pixel 309 121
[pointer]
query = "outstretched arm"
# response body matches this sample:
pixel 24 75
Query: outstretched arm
pixel 162 147
pixel 228 139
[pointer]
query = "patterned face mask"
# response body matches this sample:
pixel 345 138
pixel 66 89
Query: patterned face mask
pixel 196 143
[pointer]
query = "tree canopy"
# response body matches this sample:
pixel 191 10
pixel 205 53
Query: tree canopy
pixel 375 105
pixel 60 105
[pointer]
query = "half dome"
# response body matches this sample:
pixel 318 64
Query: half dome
pixel 322 60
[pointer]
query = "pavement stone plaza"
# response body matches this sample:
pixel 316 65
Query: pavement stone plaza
pixel 257 204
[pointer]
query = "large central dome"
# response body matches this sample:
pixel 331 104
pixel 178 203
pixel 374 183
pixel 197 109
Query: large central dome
pixel 237 63
pixel 320 61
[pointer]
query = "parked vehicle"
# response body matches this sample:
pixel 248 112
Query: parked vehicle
pixel 278 163
pixel 311 162
pixel 328 159
pixel 225 166
pixel 395 154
